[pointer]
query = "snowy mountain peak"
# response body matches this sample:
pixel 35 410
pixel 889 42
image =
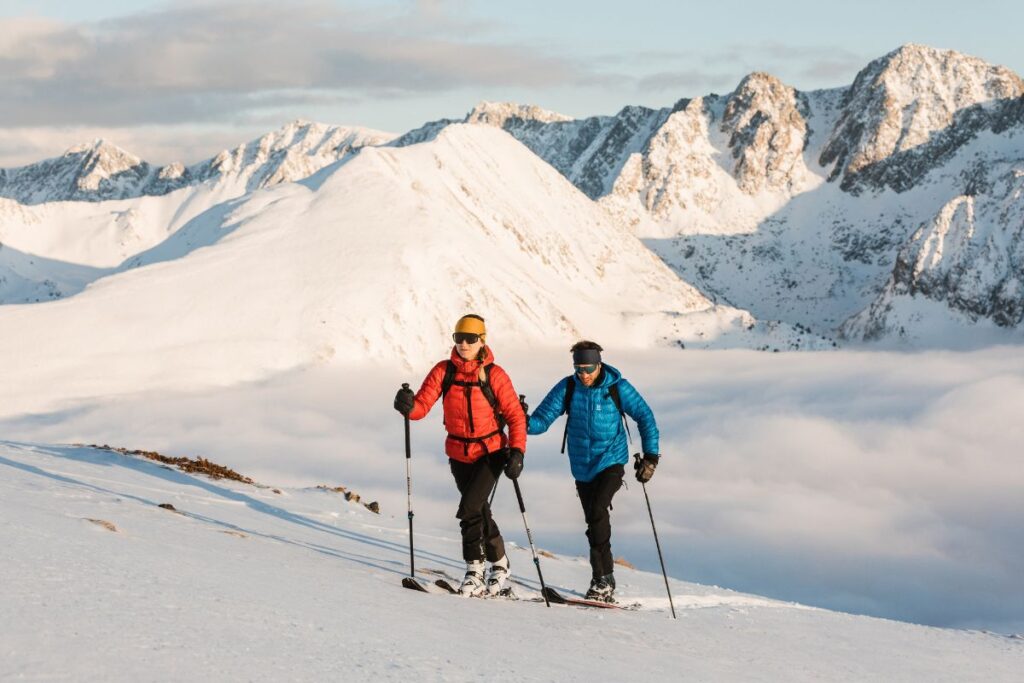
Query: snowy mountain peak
pixel 101 161
pixel 92 171
pixel 100 146
pixel 300 149
pixel 765 122
pixel 498 113
pixel 901 100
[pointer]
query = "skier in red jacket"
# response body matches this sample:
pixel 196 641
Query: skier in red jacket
pixel 478 399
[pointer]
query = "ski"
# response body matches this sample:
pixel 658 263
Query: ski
pixel 553 596
pixel 506 593
pixel 413 584
pixel 558 599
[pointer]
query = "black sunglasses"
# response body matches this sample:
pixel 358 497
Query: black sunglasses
pixel 467 337
pixel 585 369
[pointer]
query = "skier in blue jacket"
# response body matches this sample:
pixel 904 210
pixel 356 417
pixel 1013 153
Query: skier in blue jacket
pixel 598 451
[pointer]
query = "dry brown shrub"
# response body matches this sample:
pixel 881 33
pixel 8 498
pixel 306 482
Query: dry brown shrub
pixel 103 523
pixel 198 465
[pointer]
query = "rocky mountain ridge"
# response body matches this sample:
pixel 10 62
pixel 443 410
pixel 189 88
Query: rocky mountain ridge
pixel 101 171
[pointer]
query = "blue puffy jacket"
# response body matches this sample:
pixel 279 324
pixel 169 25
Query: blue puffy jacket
pixel 597 439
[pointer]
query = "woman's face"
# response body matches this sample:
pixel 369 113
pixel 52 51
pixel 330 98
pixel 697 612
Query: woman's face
pixel 466 349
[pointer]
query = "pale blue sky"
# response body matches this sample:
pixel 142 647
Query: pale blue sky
pixel 227 71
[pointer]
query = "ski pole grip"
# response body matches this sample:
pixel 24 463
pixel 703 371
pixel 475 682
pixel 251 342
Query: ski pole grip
pixel 405 386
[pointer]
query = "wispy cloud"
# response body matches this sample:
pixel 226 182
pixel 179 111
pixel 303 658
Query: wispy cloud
pixel 200 62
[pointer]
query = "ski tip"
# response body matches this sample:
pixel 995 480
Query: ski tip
pixel 557 598
pixel 553 596
pixel 413 584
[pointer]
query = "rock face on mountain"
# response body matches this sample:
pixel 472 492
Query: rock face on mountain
pixel 101 171
pixel 970 257
pixel 910 98
pixel 767 128
pixel 92 172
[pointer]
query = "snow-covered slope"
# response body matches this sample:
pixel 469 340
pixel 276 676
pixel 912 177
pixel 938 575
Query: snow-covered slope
pixel 99 582
pixel 85 215
pixel 370 259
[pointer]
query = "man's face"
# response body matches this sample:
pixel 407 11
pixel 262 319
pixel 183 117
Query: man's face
pixel 588 373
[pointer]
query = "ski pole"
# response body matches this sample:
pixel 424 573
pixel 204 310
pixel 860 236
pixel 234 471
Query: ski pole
pixel 493 491
pixel 408 489
pixel 656 543
pixel 529 536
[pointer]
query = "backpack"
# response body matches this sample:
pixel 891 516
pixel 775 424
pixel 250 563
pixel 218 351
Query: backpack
pixel 486 390
pixel 570 388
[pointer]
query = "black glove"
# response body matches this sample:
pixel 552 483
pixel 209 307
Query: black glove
pixel 404 400
pixel 514 464
pixel 645 467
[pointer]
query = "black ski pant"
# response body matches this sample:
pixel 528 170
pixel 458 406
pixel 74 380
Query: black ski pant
pixel 596 498
pixel 481 538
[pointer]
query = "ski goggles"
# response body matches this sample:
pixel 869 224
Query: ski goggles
pixel 466 337
pixel 585 369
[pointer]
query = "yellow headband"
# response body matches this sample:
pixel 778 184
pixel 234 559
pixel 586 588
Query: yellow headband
pixel 472 325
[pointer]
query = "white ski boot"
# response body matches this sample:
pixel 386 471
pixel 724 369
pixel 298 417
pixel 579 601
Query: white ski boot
pixel 473 583
pixel 498 577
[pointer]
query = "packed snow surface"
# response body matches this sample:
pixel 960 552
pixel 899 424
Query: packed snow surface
pixel 247 582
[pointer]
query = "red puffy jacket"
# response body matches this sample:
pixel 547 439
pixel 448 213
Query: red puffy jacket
pixel 468 417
